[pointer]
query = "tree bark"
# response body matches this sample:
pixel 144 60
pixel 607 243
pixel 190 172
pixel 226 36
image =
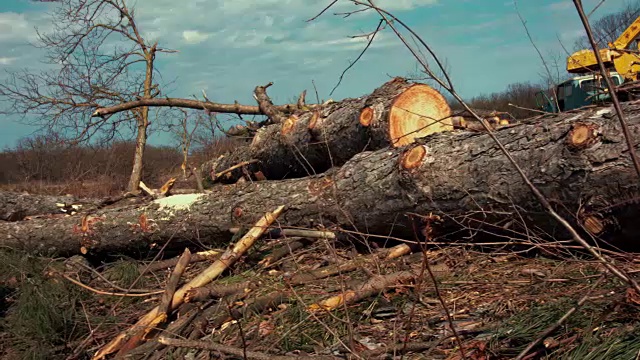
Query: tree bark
pixel 17 206
pixel 309 143
pixel 578 160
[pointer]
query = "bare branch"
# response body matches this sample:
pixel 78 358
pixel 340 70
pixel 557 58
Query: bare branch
pixel 323 11
pixel 544 63
pixel 190 104
pixel 372 36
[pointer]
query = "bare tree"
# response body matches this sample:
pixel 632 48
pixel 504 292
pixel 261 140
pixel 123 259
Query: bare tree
pixel 608 27
pixel 98 56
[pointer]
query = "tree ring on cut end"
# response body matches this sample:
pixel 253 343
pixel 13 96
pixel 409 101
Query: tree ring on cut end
pixel 419 111
pixel 288 124
pixel 366 116
pixel 413 157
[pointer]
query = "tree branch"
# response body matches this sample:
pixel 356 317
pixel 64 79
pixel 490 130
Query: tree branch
pixel 191 104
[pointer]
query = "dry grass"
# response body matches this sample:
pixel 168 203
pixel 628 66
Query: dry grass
pixel 43 166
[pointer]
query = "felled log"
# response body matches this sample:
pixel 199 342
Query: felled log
pixel 310 142
pixel 578 160
pixel 18 206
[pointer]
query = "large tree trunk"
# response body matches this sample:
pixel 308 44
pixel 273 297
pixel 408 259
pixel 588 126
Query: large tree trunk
pixel 308 143
pixel 579 161
pixel 143 124
pixel 138 156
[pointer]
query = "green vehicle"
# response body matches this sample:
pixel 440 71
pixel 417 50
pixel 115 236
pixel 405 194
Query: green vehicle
pixel 578 92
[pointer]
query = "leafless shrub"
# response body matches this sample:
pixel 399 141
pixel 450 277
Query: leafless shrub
pixel 520 94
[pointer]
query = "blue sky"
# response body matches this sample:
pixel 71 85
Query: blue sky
pixel 228 47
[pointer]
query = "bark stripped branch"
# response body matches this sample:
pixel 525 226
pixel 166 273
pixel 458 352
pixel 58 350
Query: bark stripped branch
pixel 191 104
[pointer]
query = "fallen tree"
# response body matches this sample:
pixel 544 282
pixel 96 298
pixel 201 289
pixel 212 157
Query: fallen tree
pixel 578 160
pixel 310 142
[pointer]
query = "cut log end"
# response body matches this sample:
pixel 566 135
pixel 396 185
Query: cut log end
pixel 418 112
pixel 288 124
pixel 582 136
pixel 366 116
pixel 594 225
pixel 413 157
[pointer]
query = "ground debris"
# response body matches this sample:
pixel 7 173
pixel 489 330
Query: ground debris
pixel 498 305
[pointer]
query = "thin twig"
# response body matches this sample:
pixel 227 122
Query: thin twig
pixel 207 345
pixel 596 7
pixel 373 35
pixel 101 292
pixel 427 266
pixel 544 63
pixel 528 109
pixel 323 11
pixel 236 166
pixel 610 86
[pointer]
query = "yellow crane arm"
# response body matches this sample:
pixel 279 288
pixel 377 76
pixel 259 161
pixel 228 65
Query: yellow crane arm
pixel 627 37
pixel 617 56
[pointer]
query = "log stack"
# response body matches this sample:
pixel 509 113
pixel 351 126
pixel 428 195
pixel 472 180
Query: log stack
pixel 310 142
pixel 382 165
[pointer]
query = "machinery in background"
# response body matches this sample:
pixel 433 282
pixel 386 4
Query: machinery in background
pixel 578 92
pixel 622 60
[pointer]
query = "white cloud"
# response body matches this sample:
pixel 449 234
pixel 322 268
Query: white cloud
pixel 194 36
pixel 394 5
pixel 13 27
pixel 561 6
pixel 7 60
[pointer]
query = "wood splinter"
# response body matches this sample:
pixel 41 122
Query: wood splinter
pixel 204 278
pixel 164 309
pixel 164 191
pixel 288 124
pixel 593 224
pixel 301 100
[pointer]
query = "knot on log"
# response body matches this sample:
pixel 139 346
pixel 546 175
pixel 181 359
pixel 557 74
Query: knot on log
pixel 582 136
